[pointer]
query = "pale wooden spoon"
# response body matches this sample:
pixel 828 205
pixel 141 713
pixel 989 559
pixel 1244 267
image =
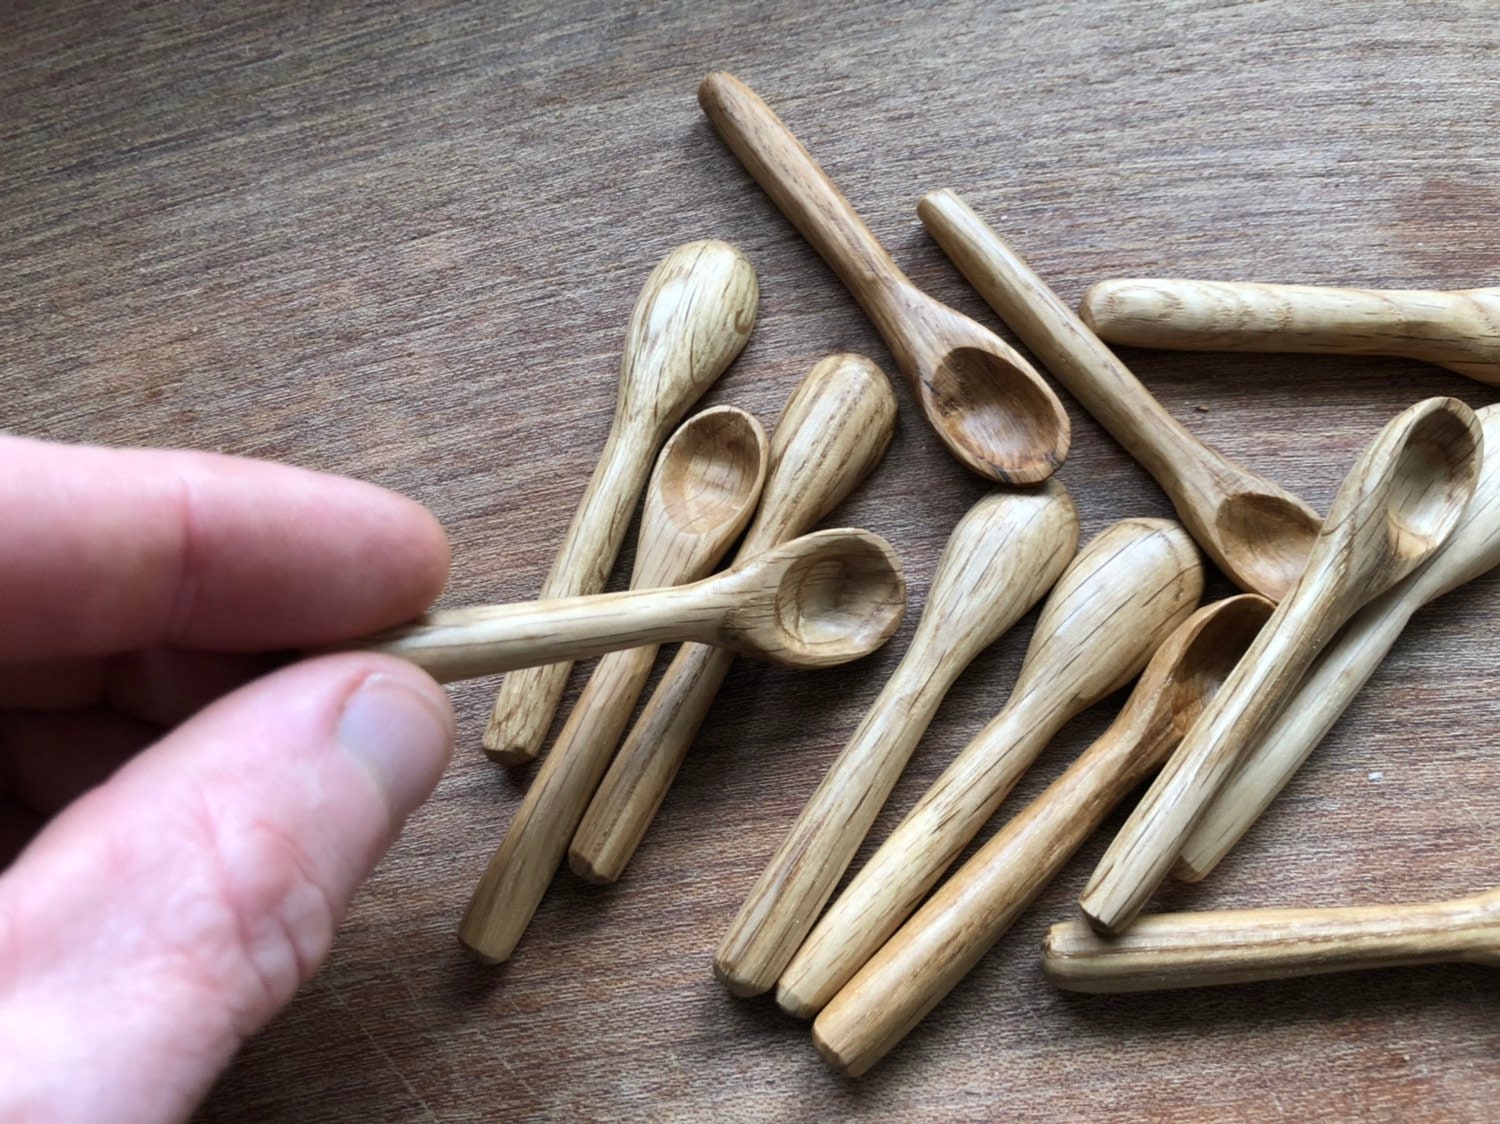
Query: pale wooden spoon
pixel 955 927
pixel 703 492
pixel 1170 950
pixel 834 430
pixel 1114 606
pixel 1005 553
pixel 692 318
pixel 985 402
pixel 1256 532
pixel 824 599
pixel 1397 506
pixel 1345 665
pixel 1459 330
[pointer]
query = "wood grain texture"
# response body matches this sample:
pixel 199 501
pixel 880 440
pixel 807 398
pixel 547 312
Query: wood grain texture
pixel 1395 510
pixel 1460 331
pixel 1231 946
pixel 404 244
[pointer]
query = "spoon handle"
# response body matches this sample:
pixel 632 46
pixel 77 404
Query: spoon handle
pixel 1005 553
pixel 1196 478
pixel 453 644
pixel 522 867
pixel 1121 597
pixel 1343 668
pixel 802 191
pixel 692 318
pixel 834 430
pixel 1458 330
pixel 947 936
pixel 1396 507
pixel 1172 950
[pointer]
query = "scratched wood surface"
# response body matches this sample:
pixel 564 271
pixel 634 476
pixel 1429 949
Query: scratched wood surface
pixel 402 241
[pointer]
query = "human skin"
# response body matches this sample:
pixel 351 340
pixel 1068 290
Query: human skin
pixel 185 812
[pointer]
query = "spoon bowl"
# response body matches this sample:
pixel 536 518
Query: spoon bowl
pixel 702 493
pixel 1196 661
pixel 1267 537
pixel 1426 502
pixel 987 405
pixel 710 476
pixel 838 595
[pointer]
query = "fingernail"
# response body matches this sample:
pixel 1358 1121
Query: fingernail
pixel 401 736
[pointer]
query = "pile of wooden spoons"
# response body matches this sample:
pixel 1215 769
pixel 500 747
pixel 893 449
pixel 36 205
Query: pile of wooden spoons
pixel 1231 696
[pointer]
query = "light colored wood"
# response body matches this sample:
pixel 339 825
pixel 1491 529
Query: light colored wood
pixel 955 927
pixel 692 318
pixel 1004 554
pixel 985 402
pixel 401 243
pixel 1171 950
pixel 1114 606
pixel 1343 668
pixel 1397 506
pixel 702 494
pixel 1458 330
pixel 833 431
pixel 1255 531
pixel 817 601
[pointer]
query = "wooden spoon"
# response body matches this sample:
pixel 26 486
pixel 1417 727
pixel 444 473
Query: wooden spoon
pixel 986 403
pixel 703 492
pixel 1458 330
pixel 1256 532
pixel 834 430
pixel 971 911
pixel 1122 596
pixel 1169 950
pixel 1397 506
pixel 824 599
pixel 690 321
pixel 1001 558
pixel 1342 670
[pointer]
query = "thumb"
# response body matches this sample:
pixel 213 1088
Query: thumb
pixel 166 915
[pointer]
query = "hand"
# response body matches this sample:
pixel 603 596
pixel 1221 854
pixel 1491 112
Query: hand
pixel 183 831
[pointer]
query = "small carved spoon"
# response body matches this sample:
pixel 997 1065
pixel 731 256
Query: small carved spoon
pixel 824 599
pixel 1229 946
pixel 692 318
pixel 971 911
pixel 1256 532
pixel 1459 330
pixel 986 403
pixel 1397 506
pixel 1114 606
pixel 703 492
pixel 834 430
pixel 1341 671
pixel 1005 553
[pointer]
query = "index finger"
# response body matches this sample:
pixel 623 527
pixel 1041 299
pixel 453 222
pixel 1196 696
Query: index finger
pixel 105 550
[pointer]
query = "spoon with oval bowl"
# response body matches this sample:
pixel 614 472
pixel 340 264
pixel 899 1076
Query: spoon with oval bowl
pixel 1395 509
pixel 824 599
pixel 1257 532
pixel 986 403
pixel 691 319
pixel 952 931
pixel 703 492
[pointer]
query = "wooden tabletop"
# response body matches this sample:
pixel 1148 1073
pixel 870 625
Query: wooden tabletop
pixel 402 241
